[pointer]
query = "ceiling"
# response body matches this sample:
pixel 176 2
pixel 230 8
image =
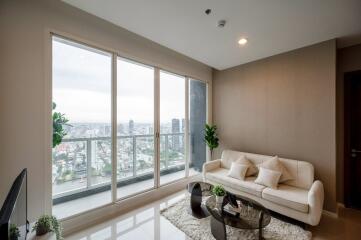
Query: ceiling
pixel 271 27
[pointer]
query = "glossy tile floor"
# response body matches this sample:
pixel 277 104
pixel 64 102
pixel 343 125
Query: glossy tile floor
pixel 146 223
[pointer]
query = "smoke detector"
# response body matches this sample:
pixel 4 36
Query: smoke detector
pixel 221 23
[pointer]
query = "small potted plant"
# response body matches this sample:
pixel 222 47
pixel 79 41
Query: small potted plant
pixel 47 224
pixel 219 192
pixel 14 232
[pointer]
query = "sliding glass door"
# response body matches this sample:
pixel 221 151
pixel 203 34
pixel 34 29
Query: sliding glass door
pixel 172 127
pixel 120 113
pixel 82 94
pixel 135 123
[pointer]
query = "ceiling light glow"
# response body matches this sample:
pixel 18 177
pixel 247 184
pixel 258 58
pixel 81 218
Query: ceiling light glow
pixel 242 41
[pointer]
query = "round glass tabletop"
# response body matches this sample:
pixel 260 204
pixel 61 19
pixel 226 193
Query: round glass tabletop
pixel 239 212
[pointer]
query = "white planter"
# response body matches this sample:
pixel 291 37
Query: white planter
pixel 219 200
pixel 47 236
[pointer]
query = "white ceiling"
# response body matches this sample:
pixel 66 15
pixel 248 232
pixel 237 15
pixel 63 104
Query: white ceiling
pixel 271 26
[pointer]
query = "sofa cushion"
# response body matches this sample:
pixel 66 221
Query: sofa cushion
pixel 268 177
pixel 252 169
pixel 275 164
pixel 237 171
pixel 288 196
pixel 220 176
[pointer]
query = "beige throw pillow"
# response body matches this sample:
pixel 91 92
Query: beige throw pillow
pixel 275 164
pixel 237 171
pixel 268 178
pixel 252 169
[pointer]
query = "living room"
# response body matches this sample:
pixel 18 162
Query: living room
pixel 105 105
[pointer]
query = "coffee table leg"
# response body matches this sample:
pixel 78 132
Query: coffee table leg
pixel 218 229
pixel 196 208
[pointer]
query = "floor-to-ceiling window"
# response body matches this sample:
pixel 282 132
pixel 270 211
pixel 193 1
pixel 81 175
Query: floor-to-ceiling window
pixel 82 93
pixel 141 109
pixel 172 126
pixel 135 127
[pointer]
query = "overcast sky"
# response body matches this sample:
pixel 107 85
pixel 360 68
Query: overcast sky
pixel 82 85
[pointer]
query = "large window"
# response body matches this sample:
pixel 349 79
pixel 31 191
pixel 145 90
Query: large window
pixel 143 124
pixel 82 92
pixel 135 111
pixel 172 127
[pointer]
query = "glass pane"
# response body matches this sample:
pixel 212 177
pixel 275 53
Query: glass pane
pixel 82 162
pixel 172 124
pixel 197 120
pixel 135 111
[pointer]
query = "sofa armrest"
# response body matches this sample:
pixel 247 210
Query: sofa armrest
pixel 209 166
pixel 315 201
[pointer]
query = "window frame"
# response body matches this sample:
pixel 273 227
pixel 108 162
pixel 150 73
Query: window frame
pixel 115 54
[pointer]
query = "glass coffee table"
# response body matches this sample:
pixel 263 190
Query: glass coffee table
pixel 198 190
pixel 249 214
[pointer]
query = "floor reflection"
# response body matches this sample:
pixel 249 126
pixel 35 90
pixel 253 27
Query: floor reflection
pixel 145 223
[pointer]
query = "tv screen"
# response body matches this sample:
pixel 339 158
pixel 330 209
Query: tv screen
pixel 13 215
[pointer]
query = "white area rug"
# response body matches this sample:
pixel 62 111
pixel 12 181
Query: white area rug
pixel 199 229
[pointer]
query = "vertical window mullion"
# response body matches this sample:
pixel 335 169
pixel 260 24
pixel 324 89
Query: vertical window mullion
pixel 156 128
pixel 186 128
pixel 114 127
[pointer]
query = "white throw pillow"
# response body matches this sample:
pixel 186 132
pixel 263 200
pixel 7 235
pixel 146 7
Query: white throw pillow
pixel 252 169
pixel 268 178
pixel 275 164
pixel 237 171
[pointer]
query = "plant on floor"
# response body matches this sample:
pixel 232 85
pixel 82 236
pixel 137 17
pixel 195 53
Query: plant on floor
pixel 210 137
pixel 59 121
pixel 14 232
pixel 219 191
pixel 47 224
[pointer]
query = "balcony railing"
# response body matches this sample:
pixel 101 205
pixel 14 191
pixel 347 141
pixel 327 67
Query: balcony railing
pixel 82 166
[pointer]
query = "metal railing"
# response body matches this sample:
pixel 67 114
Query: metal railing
pixel 88 151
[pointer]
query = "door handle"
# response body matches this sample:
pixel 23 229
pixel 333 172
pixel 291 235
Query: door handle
pixel 355 151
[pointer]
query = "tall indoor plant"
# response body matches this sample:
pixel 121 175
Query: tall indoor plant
pixel 210 137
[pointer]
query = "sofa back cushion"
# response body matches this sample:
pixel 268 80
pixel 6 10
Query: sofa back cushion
pixel 301 171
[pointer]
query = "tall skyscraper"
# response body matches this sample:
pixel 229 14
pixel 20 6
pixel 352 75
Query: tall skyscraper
pixel 131 127
pixel 175 129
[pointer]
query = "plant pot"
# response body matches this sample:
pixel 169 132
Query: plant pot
pixel 219 200
pixel 41 231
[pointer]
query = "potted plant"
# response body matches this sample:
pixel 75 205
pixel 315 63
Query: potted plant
pixel 14 232
pixel 47 224
pixel 219 192
pixel 210 137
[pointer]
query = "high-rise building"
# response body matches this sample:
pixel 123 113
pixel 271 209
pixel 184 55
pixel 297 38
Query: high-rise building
pixel 131 127
pixel 175 129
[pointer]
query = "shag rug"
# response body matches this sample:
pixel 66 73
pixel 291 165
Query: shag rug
pixel 199 229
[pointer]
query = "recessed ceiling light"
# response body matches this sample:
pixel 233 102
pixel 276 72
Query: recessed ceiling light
pixel 242 41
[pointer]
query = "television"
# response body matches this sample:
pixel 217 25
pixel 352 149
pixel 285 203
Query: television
pixel 14 224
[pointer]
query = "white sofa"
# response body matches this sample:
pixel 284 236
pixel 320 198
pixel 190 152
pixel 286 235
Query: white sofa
pixel 300 198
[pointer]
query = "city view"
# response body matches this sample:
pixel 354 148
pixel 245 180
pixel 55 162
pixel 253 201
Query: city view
pixel 82 91
pixel 71 159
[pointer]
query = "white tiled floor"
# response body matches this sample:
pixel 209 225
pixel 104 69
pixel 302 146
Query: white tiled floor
pixel 145 223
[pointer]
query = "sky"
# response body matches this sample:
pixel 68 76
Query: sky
pixel 82 87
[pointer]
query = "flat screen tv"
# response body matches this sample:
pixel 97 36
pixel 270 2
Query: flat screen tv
pixel 14 224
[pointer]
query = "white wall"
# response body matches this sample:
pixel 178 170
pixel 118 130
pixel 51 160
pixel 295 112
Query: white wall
pixel 24 103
